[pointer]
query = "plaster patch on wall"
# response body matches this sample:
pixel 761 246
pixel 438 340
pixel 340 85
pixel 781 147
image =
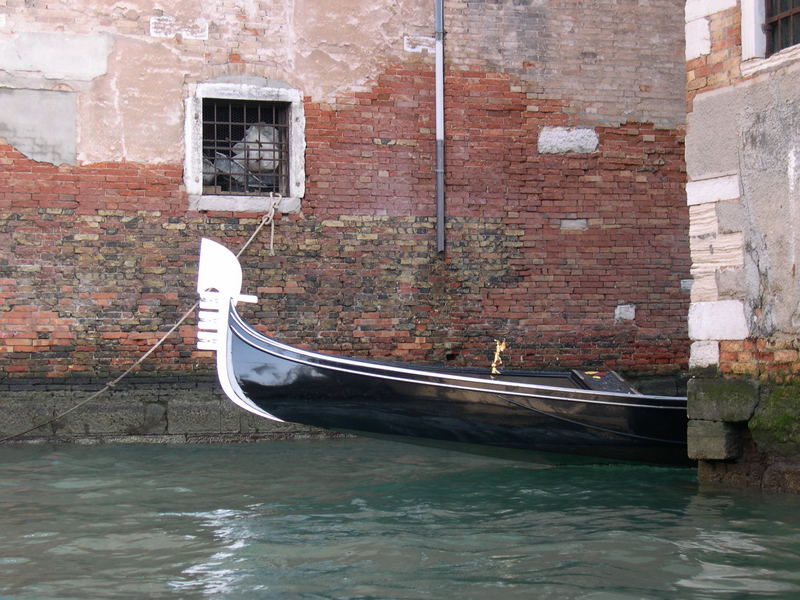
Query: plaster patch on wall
pixel 565 140
pixel 419 43
pixel 57 55
pixel 40 124
pixel 135 112
pixel 712 134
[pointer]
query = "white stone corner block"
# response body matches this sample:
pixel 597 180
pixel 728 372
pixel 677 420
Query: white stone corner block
pixel 696 9
pixel 563 140
pixel 698 38
pixel 704 354
pixel 719 320
pixel 712 190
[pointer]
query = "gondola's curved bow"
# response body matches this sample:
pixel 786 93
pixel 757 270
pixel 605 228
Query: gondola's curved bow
pixel 572 412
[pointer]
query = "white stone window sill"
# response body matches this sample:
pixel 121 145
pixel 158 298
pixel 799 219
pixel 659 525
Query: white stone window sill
pixel 780 59
pixel 256 204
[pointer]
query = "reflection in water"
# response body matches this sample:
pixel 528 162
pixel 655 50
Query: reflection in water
pixel 361 518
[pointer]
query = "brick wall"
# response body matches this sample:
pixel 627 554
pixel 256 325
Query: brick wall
pixel 542 248
pixel 720 66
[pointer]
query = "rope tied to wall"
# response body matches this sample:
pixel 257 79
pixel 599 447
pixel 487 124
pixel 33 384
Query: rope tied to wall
pixel 268 218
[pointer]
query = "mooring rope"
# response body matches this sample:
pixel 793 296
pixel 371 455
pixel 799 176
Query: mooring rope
pixel 267 219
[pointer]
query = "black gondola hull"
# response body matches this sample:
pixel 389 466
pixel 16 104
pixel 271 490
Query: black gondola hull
pixel 425 405
pixel 577 413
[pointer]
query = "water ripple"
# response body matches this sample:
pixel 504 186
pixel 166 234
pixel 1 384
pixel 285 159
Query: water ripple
pixel 362 519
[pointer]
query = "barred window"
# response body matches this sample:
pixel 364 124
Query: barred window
pixel 782 24
pixel 245 147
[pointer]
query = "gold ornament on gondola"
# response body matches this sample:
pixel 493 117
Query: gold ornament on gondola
pixel 499 348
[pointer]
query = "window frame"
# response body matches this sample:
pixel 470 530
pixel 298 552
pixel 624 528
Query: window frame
pixel 193 167
pixel 754 41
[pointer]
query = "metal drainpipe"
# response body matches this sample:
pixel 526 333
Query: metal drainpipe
pixel 440 216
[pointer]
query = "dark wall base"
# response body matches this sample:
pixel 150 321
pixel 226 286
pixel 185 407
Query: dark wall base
pixel 142 410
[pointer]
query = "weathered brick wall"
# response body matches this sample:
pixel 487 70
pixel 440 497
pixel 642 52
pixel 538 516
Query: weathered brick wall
pixel 542 248
pixel 721 65
pixel 576 258
pixel 607 61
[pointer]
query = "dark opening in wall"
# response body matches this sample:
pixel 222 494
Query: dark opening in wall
pixel 782 24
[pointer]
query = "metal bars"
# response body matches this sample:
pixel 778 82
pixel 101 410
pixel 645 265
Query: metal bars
pixel 782 24
pixel 245 147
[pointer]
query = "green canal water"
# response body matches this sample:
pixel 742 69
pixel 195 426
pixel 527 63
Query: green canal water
pixel 357 518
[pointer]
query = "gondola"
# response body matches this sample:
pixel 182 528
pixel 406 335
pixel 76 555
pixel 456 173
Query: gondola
pixel 590 414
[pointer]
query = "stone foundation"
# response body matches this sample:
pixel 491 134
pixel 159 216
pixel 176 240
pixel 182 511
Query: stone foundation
pixel 139 409
pixel 745 432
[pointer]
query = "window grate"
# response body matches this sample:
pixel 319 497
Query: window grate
pixel 245 147
pixel 782 24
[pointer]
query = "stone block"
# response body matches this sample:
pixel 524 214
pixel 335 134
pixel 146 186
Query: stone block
pixel 714 189
pixel 718 399
pixel 694 9
pixel 720 320
pixel 782 477
pixel 713 440
pixel 21 415
pixel 187 413
pixel 230 416
pixel 104 415
pixel 775 426
pixel 154 421
pixel 567 140
pixel 698 38
pixel 704 354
